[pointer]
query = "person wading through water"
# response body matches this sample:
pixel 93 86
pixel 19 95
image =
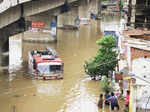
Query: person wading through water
pixel 107 96
pixel 114 101
pixel 100 102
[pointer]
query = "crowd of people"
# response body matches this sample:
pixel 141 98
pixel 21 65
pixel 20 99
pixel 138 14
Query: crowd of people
pixel 111 99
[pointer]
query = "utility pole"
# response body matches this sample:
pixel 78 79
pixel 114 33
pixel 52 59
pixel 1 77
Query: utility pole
pixel 99 8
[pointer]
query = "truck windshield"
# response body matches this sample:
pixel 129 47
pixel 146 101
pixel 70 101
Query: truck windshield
pixel 49 68
pixel 55 68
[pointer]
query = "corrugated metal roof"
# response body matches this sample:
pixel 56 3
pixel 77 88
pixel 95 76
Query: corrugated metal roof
pixel 136 32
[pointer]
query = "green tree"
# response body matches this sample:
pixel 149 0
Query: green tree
pixel 105 60
pixel 107 85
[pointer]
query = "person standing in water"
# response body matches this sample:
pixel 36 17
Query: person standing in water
pixel 107 96
pixel 114 101
pixel 100 102
pixel 127 98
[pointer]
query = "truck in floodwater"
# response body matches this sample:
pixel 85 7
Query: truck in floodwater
pixel 45 65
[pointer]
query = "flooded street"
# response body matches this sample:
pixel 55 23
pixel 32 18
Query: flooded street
pixel 75 93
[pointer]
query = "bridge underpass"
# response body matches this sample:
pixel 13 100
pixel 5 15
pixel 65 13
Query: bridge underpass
pixel 12 20
pixel 32 11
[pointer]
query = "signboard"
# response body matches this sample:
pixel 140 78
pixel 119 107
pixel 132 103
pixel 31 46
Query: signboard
pixel 38 24
pixel 53 26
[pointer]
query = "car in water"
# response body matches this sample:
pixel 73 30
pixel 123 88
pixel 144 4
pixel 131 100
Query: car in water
pixel 45 65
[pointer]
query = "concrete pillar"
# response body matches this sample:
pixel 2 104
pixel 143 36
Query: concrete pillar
pixel 67 18
pixel 94 6
pixel 15 52
pixel 0 55
pixel 88 1
pixel 99 7
pixel 133 12
pixel 4 57
pixel 85 8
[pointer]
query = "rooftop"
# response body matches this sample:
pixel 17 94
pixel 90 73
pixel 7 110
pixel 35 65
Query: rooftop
pixel 136 32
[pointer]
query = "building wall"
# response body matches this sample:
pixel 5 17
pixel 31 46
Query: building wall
pixel 137 53
pixel 138 98
pixel 138 14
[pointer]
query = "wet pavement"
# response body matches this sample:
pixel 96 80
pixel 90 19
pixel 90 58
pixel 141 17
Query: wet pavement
pixel 75 93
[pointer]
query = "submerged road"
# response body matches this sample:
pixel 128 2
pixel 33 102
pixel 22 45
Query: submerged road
pixel 75 93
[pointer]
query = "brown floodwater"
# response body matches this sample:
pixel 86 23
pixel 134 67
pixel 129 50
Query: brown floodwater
pixel 75 93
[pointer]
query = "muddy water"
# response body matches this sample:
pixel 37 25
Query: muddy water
pixel 75 93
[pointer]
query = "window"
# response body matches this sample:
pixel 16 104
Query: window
pixel 55 68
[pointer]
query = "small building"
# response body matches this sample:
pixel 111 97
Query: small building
pixel 135 51
pixel 138 13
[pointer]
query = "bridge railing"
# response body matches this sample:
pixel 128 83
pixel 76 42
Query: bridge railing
pixel 6 4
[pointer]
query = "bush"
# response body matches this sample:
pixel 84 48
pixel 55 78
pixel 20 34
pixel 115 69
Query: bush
pixel 106 85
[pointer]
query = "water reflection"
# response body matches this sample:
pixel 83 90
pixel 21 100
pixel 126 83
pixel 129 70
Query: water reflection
pixel 110 22
pixel 79 100
pixel 49 89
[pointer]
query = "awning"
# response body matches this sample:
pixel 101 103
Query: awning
pixel 124 71
pixel 126 74
pixel 127 78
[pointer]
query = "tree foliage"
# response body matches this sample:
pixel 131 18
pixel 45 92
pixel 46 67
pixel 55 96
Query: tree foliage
pixel 107 85
pixel 105 61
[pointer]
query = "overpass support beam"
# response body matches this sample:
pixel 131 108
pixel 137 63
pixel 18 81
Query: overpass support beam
pixel 4 55
pixel 67 18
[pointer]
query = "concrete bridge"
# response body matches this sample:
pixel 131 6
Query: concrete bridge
pixel 14 13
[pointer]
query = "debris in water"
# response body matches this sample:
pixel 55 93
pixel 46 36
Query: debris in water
pixel 14 108
pixel 16 96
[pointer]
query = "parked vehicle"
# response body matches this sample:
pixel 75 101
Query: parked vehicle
pixel 45 65
pixel 84 21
